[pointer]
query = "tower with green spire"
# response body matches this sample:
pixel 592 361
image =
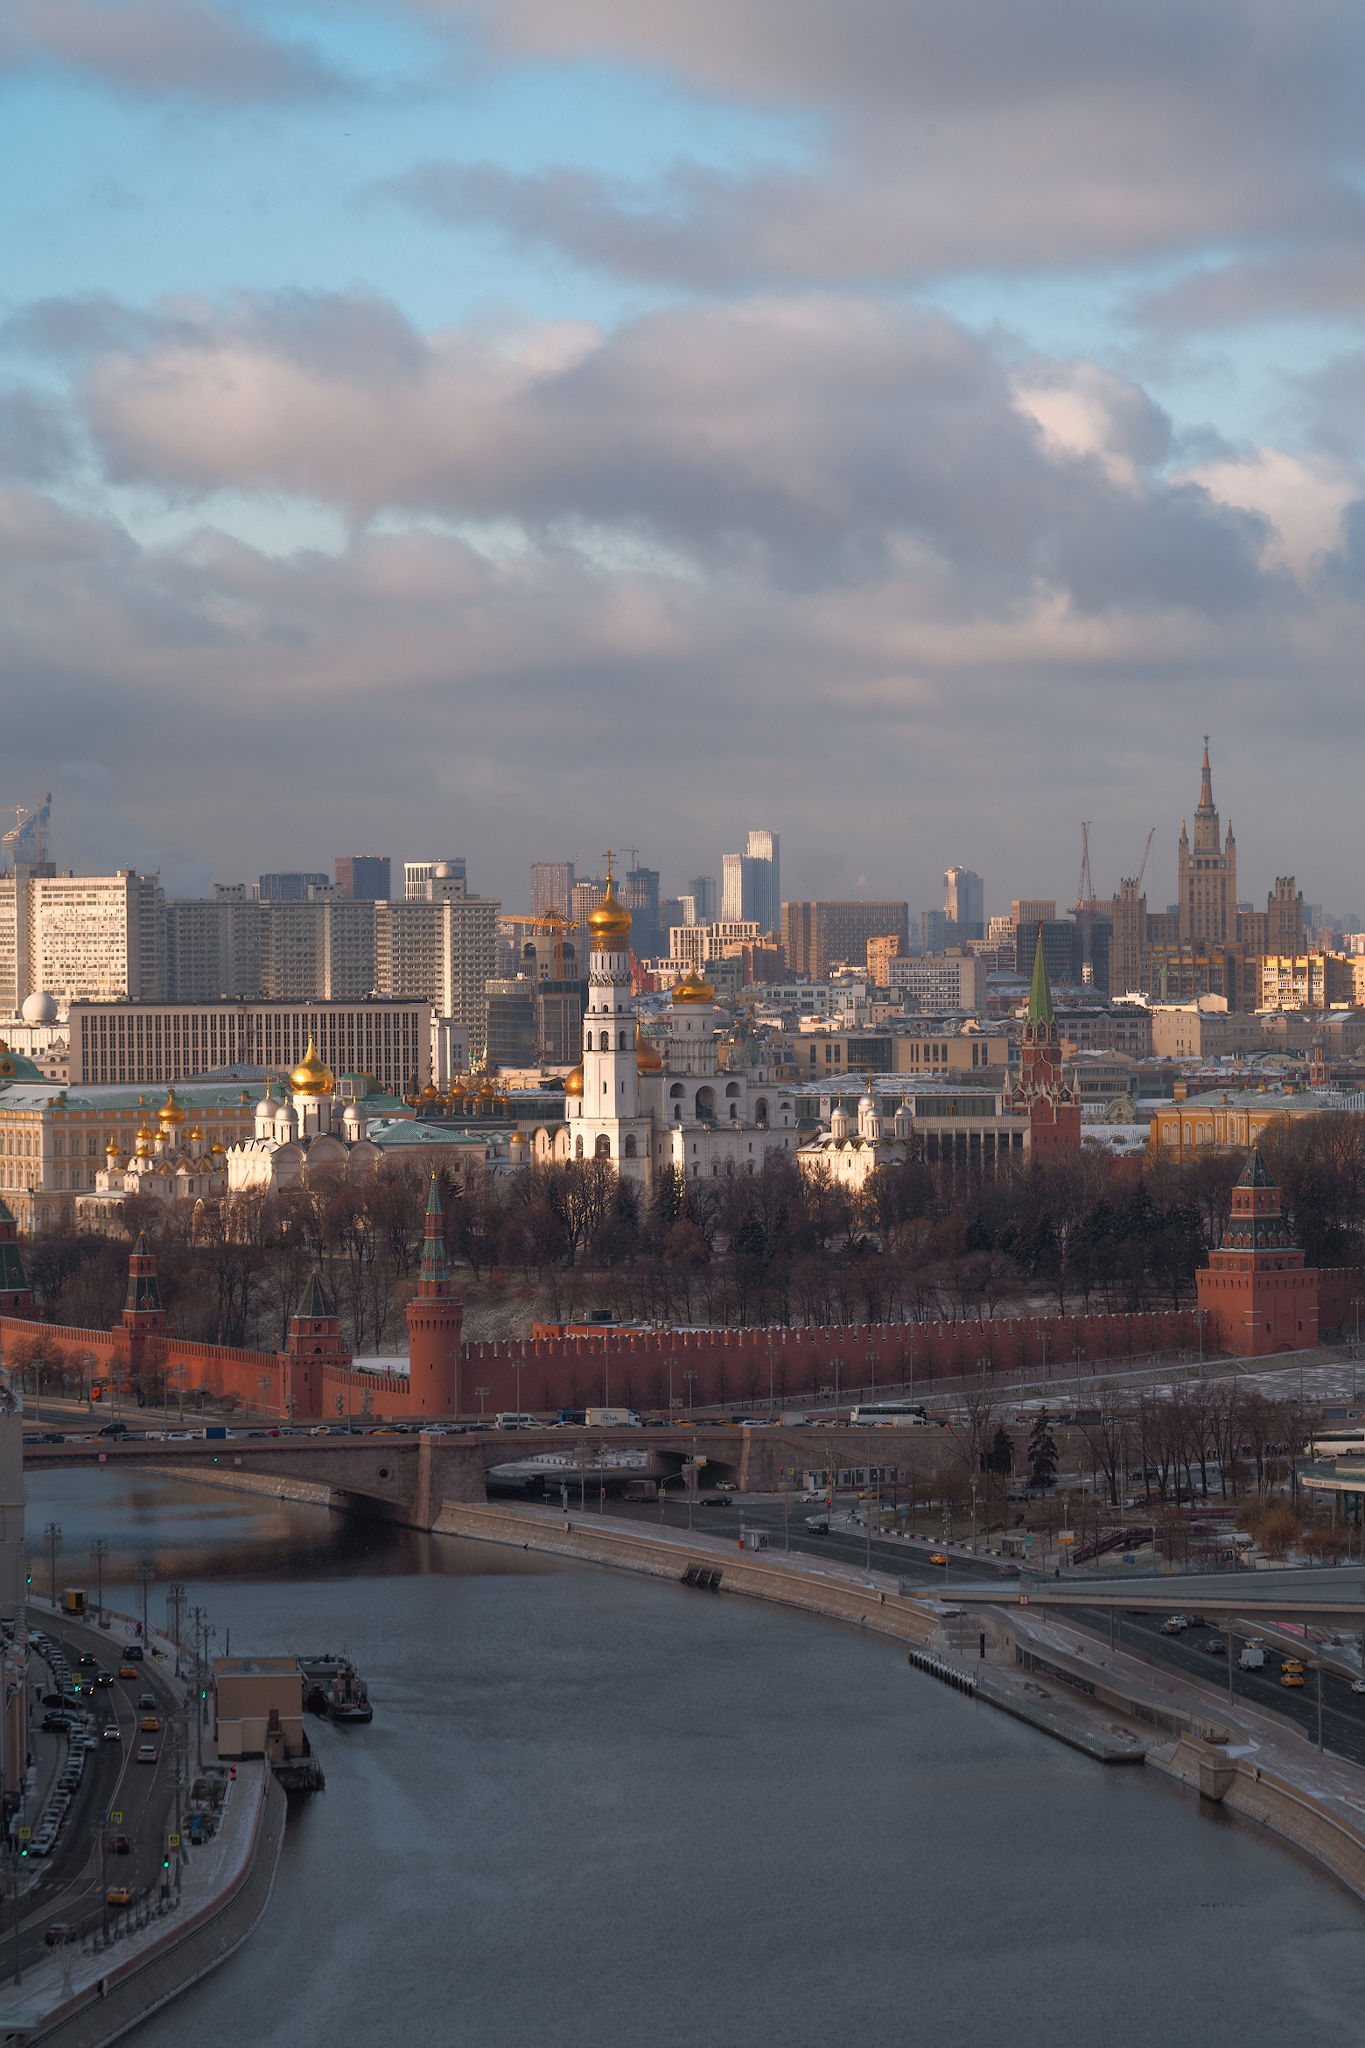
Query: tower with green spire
pixel 435 1322
pixel 1041 1091
pixel 313 1345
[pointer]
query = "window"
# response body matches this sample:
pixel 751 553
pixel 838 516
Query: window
pixel 602 1149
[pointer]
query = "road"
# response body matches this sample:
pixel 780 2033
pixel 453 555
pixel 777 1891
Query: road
pixel 117 1796
pixel 1343 1715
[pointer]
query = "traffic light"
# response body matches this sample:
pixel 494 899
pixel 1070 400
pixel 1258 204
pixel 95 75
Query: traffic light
pixel 166 1861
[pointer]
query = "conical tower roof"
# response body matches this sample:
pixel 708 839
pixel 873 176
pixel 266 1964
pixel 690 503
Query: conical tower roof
pixel 1040 1009
pixel 1256 1174
pixel 317 1303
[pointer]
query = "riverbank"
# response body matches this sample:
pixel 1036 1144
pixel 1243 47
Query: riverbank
pixel 1108 1703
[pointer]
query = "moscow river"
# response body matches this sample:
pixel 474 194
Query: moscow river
pixel 594 1811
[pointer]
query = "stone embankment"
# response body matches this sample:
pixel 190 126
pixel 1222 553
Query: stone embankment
pixel 1111 1704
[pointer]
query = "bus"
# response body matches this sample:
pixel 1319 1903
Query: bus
pixel 1337 1443
pixel 889 1415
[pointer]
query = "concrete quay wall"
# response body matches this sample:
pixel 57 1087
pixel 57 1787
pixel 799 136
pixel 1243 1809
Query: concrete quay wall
pixel 1313 1822
pixel 120 1994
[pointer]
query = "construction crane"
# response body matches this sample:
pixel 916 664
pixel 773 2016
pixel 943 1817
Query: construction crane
pixel 26 839
pixel 1146 856
pixel 1085 894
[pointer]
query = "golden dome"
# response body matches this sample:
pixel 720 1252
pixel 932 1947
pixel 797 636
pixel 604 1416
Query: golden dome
pixel 111 1150
pixel 647 1056
pixel 218 1151
pixel 573 1081
pixel 609 923
pixel 312 1076
pixel 170 1111
pixel 196 1136
pixel 692 989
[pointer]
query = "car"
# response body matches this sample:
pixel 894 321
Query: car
pixel 812 1496
pixel 1214 1647
pixel 712 1500
pixel 1358 1685
pixel 104 1678
pixel 132 1653
pixel 58 1934
pixel 111 1733
pixel 1292 1664
pixel 56 1724
pixel 938 1557
pixel 1174 1625
pixel 146 1752
pixel 129 1671
pixel 86 1662
pixel 113 1429
pixel 146 1701
pixel 49 1436
pixel 1291 1678
pixel 1199 1621
pixel 119 1895
pixel 818 1524
pixel 727 1486
pixel 149 1725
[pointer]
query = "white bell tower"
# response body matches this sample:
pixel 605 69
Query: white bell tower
pixel 611 1077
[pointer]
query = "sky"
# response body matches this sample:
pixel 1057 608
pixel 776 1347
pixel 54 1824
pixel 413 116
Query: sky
pixel 505 428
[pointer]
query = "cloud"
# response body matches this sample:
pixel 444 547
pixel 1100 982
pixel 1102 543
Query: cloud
pixel 155 48
pixel 794 439
pixel 1295 284
pixel 35 445
pixel 1001 134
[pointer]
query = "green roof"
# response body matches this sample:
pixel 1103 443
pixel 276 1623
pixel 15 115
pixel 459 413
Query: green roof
pixel 1040 994
pixel 317 1303
pixel 407 1131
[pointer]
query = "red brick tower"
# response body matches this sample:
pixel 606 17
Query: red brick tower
pixel 434 1322
pixel 143 1315
pixel 16 1298
pixel 313 1344
pixel 1054 1113
pixel 1256 1289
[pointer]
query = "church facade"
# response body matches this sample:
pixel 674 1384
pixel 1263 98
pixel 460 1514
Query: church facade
pixel 647 1109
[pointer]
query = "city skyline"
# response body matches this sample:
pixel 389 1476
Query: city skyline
pixel 345 447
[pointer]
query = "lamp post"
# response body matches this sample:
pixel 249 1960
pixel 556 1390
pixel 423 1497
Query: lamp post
pixel 482 1393
pixel 264 1382
pixel 99 1550
pixel 177 1373
pixel 146 1572
pixel 690 1381
pixel 52 1537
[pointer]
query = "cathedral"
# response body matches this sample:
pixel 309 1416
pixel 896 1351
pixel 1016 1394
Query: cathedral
pixel 647 1109
pixel 299 1133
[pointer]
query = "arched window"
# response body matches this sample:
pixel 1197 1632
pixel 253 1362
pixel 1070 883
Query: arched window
pixel 761 1110
pixel 602 1149
pixel 675 1091
pixel 628 1149
pixel 623 1046
pixel 578 1148
pixel 732 1088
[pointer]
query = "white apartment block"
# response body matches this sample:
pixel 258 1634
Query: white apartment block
pixel 698 943
pixel 74 936
pixel 939 981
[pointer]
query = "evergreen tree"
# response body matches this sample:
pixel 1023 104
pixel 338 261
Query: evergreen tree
pixel 1042 1456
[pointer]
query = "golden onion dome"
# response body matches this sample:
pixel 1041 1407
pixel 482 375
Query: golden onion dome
pixel 609 923
pixel 217 1151
pixel 692 989
pixel 144 1130
pixel 573 1081
pixel 111 1150
pixel 648 1059
pixel 170 1111
pixel 196 1136
pixel 312 1076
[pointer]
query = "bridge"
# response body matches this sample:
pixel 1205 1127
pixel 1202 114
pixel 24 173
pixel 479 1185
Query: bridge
pixel 407 1478
pixel 1333 1594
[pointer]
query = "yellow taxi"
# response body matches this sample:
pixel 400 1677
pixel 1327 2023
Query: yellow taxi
pixel 150 1725
pixel 118 1895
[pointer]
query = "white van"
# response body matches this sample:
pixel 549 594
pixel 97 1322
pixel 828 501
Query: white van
pixel 509 1421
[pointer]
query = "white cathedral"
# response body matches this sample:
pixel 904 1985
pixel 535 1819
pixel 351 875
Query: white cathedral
pixel 298 1133
pixel 645 1111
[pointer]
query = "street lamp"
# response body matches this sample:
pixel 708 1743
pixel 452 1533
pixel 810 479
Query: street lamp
pixel 99 1550
pixel 690 1381
pixel 52 1537
pixel 177 1373
pixel 482 1393
pixel 145 1573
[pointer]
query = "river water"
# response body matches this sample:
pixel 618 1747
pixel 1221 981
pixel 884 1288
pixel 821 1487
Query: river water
pixel 593 1810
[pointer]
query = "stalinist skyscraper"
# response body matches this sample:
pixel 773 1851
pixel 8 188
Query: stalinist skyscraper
pixel 1207 874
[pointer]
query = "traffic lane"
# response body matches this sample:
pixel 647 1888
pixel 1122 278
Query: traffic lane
pixel 1342 1717
pixel 847 1546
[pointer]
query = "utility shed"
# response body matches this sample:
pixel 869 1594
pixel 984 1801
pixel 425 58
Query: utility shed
pixel 258 1708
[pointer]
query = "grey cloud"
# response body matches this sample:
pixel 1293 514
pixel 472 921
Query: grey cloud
pixel 154 48
pixel 34 444
pixel 1311 283
pixel 1006 133
pixel 799 440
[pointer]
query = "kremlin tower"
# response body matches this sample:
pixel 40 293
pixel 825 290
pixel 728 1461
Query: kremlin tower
pixel 1053 1109
pixel 1256 1288
pixel 435 1318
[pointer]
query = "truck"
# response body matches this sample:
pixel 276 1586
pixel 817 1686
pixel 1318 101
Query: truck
pixel 611 1418
pixel 216 1432
pixel 1251 1657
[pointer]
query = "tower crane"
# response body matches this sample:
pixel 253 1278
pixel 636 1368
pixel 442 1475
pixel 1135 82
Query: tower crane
pixel 1085 893
pixel 1146 855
